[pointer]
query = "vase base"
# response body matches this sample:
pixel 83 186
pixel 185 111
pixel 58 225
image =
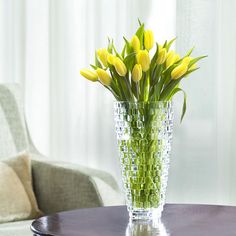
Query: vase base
pixel 145 214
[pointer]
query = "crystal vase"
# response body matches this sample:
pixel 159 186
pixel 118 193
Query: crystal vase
pixel 144 134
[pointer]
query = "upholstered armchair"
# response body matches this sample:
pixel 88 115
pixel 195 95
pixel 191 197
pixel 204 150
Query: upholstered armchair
pixel 57 186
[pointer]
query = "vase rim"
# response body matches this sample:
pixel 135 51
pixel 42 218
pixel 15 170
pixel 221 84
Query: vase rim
pixel 143 102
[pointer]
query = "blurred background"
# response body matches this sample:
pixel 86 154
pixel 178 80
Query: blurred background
pixel 45 43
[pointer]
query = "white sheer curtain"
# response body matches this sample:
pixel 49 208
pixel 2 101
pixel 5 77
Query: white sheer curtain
pixel 204 153
pixel 44 43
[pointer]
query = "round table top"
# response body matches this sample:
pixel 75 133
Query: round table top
pixel 177 220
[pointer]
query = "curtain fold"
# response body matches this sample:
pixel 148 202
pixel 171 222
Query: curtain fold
pixel 12 41
pixel 36 82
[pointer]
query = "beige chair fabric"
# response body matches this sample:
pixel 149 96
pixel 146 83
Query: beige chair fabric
pixel 17 199
pixel 13 132
pixel 14 202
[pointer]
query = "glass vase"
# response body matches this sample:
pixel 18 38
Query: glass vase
pixel 144 134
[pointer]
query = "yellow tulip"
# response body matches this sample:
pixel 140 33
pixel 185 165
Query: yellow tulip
pixel 111 58
pixel 161 56
pixel 186 60
pixel 177 57
pixel 120 67
pixel 102 55
pixel 89 74
pixel 143 59
pixel 137 73
pixel 171 58
pixel 104 77
pixel 148 39
pixel 179 71
pixel 135 43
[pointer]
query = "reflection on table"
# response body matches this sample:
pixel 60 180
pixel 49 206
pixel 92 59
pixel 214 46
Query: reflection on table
pixel 146 228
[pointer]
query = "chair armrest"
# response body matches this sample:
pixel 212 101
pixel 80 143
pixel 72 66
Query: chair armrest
pixel 61 187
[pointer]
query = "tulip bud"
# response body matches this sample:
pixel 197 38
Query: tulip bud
pixel 148 39
pixel 110 59
pixel 177 57
pixel 171 58
pixel 186 60
pixel 102 55
pixel 137 73
pixel 104 77
pixel 89 74
pixel 161 56
pixel 120 66
pixel 179 71
pixel 143 59
pixel 135 43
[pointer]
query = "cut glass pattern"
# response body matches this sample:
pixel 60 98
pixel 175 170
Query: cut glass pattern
pixel 144 133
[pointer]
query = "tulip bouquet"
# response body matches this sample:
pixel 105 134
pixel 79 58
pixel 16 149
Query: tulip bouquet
pixel 143 83
pixel 133 75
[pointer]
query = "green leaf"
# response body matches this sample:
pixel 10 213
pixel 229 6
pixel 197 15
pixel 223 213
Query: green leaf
pixel 145 85
pixel 93 66
pixel 176 90
pixel 128 85
pixel 168 89
pixel 129 61
pixel 114 80
pixel 114 87
pixel 193 61
pixel 139 22
pixel 173 92
pixel 133 88
pixel 117 54
pixel 167 79
pixel 154 59
pixel 122 85
pixel 128 46
pixel 109 47
pixel 97 62
pixel 140 34
pixel 171 84
pixel 123 51
pixel 165 44
pixel 156 79
pixel 189 52
pixel 169 44
pixel 159 86
pixel 189 71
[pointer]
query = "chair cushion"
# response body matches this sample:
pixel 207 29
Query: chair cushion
pixel 17 199
pixel 20 228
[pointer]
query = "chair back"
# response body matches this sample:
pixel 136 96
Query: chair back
pixel 13 130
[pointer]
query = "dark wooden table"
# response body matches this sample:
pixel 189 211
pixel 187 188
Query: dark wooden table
pixel 177 220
